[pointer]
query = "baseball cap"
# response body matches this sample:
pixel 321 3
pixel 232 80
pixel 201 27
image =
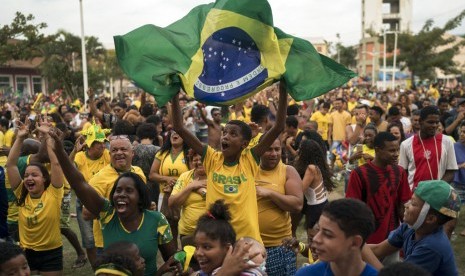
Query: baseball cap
pixel 440 196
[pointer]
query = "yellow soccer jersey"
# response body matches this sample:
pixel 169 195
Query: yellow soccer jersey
pixel 171 165
pixel 235 183
pixel 2 139
pixel 247 114
pixel 8 138
pixel 275 224
pixel 89 167
pixel 39 220
pixel 103 182
pixel 368 151
pixel 254 141
pixel 351 105
pixel 323 123
pixel 193 207
pixel 12 206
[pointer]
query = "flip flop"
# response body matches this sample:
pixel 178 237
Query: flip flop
pixel 80 262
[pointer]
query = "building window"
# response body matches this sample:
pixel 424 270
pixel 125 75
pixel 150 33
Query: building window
pixel 36 84
pixel 22 85
pixel 4 83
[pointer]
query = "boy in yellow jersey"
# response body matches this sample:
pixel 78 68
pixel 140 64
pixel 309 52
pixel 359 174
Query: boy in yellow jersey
pixel 322 118
pixel 279 192
pixel 231 171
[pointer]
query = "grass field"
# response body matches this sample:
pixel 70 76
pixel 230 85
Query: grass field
pixel 458 243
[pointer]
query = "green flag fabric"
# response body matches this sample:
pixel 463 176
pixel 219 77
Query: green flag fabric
pixel 223 52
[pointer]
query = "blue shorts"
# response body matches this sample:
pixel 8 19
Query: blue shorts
pixel 85 227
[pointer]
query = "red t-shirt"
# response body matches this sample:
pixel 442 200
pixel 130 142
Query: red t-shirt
pixel 382 189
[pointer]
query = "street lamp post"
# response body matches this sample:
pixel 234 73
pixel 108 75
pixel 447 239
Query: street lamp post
pixel 84 57
pixel 384 59
pixel 393 83
pixel 394 61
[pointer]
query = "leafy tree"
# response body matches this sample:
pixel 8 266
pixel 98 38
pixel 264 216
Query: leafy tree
pixel 22 39
pixel 62 64
pixel 347 55
pixel 420 52
pixel 113 70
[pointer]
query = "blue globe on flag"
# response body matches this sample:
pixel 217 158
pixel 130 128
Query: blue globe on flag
pixel 231 67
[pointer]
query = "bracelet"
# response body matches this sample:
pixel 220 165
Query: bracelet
pixel 301 247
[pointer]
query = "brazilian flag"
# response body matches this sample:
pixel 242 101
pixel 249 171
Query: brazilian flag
pixel 223 52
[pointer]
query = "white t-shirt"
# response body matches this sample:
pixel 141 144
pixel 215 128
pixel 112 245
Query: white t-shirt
pixel 421 161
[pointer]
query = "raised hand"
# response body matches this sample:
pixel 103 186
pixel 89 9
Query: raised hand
pixel 90 93
pixel 256 129
pixel 172 266
pixel 55 138
pixel 237 259
pixel 23 128
pixel 80 143
pixel 43 125
pixel 292 244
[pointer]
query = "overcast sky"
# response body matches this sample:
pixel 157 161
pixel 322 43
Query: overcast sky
pixel 303 18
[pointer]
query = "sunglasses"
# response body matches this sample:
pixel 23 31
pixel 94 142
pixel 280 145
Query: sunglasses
pixel 118 137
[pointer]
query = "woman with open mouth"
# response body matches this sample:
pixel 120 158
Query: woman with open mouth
pixel 39 204
pixel 126 216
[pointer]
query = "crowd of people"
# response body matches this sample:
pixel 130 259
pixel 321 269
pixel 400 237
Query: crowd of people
pixel 235 182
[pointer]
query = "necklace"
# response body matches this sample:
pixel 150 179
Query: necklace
pixel 427 156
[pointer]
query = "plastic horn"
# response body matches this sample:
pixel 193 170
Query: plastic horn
pixel 180 256
pixel 39 97
pixel 189 249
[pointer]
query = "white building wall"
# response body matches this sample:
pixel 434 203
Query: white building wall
pixel 371 16
pixel 406 15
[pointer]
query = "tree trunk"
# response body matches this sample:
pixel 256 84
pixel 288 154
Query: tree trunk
pixel 412 79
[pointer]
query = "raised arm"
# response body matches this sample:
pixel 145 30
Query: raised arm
pixel 143 99
pixel 42 155
pixel 202 112
pixel 89 197
pixel 191 140
pixel 78 146
pixel 278 127
pixel 93 108
pixel 56 174
pixel 12 161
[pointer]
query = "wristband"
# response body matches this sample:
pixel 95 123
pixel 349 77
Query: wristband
pixel 301 247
